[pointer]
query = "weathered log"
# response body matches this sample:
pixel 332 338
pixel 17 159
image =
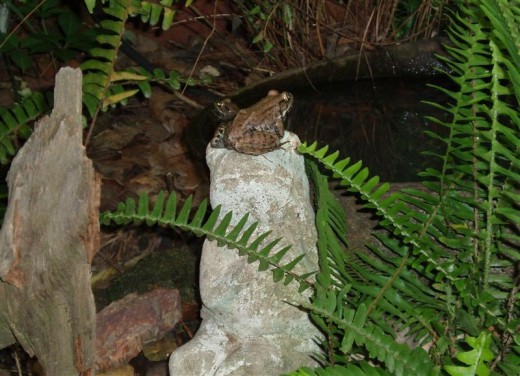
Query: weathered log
pixel 49 236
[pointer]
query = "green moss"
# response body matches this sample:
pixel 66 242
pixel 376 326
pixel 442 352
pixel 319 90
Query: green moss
pixel 173 268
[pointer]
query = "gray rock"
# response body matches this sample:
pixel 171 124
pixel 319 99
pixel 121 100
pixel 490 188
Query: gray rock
pixel 248 327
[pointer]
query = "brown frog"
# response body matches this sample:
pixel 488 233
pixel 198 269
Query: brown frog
pixel 254 130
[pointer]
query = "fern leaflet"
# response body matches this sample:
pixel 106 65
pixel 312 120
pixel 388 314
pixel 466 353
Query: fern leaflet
pixel 14 123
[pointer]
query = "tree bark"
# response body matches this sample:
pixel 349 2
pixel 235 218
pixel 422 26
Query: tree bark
pixel 49 236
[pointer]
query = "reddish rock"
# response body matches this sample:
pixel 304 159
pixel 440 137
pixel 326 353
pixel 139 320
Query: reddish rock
pixel 125 325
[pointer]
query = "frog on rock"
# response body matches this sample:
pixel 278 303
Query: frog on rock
pixel 254 130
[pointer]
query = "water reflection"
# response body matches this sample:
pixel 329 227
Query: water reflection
pixel 381 124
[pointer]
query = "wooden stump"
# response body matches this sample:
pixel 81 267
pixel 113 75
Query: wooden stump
pixel 49 236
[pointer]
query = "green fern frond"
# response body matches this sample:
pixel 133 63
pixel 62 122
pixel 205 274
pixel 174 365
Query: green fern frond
pixel 152 12
pixel 481 174
pixel 214 227
pixel 419 219
pixel 331 228
pixel 475 359
pixel 125 84
pixel 396 216
pixel 360 369
pixel 103 86
pixel 398 359
pixel 14 123
pixel 98 71
pixel 360 280
pixel 510 364
pixel 505 27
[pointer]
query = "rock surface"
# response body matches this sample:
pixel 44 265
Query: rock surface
pixel 248 327
pixel 123 327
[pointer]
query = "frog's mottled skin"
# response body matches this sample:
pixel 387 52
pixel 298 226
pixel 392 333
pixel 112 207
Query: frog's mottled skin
pixel 254 130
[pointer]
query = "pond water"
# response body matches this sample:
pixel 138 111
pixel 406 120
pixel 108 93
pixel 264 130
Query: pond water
pixel 382 123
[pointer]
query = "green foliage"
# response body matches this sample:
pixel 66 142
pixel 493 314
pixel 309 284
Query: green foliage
pixel 14 123
pixel 442 273
pixel 52 29
pixel 475 358
pixel 152 13
pixel 349 285
pixel 99 71
pixel 103 86
pixel 260 16
pixel 363 369
pixel 149 11
pixel 215 227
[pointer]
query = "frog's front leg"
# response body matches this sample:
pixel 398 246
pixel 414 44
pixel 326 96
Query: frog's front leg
pixel 279 128
pixel 218 140
pixel 256 143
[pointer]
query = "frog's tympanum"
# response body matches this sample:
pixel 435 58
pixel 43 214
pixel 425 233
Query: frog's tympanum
pixel 254 130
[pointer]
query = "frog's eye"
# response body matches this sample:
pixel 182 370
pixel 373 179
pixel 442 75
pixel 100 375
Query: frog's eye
pixel 220 106
pixel 225 109
pixel 221 109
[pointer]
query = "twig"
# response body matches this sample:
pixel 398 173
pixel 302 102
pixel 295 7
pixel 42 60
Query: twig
pixel 187 100
pixel 15 29
pixel 213 28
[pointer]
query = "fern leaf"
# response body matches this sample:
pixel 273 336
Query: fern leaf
pixel 290 266
pixel 119 97
pixel 97 73
pixel 224 224
pixel 331 227
pixel 269 247
pixel 358 318
pixel 157 208
pixel 126 76
pixel 246 235
pixel 277 257
pixel 152 13
pixel 212 220
pixel 398 358
pixel 395 214
pixel 475 359
pixel 142 206
pixel 510 364
pixel 361 369
pixel 259 240
pixel 90 5
pixel 198 217
pixel 278 274
pixel 14 123
pixel 184 213
pixel 170 211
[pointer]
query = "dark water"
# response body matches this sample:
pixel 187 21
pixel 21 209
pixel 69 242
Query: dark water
pixel 380 123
